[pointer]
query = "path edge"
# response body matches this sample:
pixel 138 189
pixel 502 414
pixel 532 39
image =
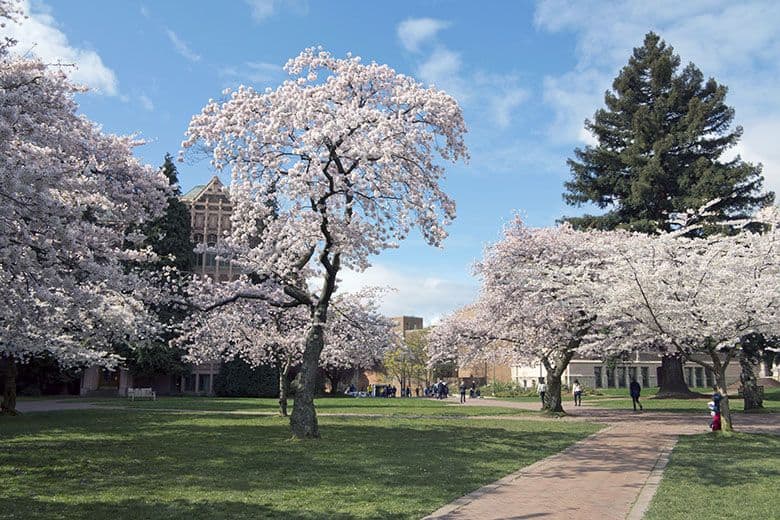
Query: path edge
pixel 466 499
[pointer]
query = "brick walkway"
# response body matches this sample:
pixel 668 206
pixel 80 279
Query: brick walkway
pixel 612 474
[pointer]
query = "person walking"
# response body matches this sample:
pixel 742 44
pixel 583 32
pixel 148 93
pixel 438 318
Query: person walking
pixel 634 389
pixel 542 389
pixel 576 390
pixel 463 392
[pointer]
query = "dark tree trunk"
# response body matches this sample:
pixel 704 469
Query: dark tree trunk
pixel 303 420
pixel 747 378
pixel 8 406
pixel 284 385
pixel 671 381
pixel 552 399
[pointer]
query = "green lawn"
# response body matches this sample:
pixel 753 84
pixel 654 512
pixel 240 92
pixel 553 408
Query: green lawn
pixel 715 476
pixel 412 407
pixel 771 403
pixel 154 464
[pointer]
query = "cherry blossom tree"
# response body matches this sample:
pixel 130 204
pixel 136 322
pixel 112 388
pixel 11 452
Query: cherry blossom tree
pixel 538 301
pixel 703 296
pixel 334 165
pixel 70 197
pixel 355 335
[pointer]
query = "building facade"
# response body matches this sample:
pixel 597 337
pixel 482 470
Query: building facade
pixel 643 367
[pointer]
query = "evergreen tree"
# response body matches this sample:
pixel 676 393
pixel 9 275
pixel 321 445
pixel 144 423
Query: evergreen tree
pixel 169 237
pixel 661 139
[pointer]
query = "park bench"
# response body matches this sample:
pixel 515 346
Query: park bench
pixel 141 393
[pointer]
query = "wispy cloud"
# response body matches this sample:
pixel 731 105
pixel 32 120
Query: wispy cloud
pixel 426 295
pixel 146 102
pixel 263 9
pixel 181 46
pixel 145 12
pixel 255 72
pixel 416 31
pixel 38 34
pixel 443 67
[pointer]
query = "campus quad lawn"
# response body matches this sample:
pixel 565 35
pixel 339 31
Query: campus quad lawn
pixel 411 407
pixel 771 403
pixel 136 464
pixel 716 476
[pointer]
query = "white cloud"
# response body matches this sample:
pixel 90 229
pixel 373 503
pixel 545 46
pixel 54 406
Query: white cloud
pixel 428 296
pixel 503 106
pixel 181 46
pixel 145 12
pixel 146 103
pixel 416 31
pixel 264 9
pixel 38 34
pixel 255 72
pixel 443 67
pixel 737 43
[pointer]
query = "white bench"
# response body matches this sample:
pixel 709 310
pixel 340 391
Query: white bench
pixel 141 393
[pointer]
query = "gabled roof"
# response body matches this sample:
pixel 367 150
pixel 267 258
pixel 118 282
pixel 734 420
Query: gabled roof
pixel 214 185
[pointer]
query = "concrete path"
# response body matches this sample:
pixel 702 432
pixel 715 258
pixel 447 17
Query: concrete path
pixel 612 474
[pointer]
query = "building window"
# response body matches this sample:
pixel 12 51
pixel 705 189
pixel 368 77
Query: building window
pixel 199 220
pixel 212 240
pixel 198 238
pixel 645 377
pixel 622 377
pixel 689 374
pixel 611 377
pixel 699 377
pixel 597 376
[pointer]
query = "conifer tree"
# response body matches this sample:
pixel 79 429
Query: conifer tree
pixel 661 141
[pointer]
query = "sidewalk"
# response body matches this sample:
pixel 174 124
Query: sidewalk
pixel 612 474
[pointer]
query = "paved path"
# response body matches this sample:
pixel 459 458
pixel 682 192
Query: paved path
pixel 612 474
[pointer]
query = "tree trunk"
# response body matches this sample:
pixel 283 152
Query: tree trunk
pixel 303 420
pixel 8 406
pixel 283 390
pixel 671 381
pixel 552 399
pixel 725 412
pixel 747 378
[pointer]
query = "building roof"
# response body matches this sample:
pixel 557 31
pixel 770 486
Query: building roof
pixel 194 192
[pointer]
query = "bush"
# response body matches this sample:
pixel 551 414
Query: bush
pixel 498 389
pixel 237 378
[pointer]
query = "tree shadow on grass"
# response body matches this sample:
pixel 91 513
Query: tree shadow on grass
pixel 362 468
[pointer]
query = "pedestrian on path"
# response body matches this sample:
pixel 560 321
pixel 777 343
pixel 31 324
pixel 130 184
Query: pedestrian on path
pixel 576 390
pixel 463 392
pixel 634 389
pixel 542 389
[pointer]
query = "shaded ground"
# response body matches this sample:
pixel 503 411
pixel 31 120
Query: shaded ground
pixel 103 463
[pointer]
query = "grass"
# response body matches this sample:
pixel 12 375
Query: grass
pixel 154 464
pixel 414 407
pixel 771 403
pixel 716 476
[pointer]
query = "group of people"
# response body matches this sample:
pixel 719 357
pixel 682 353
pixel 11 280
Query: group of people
pixel 473 391
pixel 438 390
pixel 634 389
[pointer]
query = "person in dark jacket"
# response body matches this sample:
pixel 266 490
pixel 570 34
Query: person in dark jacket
pixel 634 389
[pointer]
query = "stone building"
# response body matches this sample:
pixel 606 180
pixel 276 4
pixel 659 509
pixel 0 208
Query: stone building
pixel 210 210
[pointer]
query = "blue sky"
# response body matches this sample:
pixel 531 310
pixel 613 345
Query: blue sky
pixel 526 73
